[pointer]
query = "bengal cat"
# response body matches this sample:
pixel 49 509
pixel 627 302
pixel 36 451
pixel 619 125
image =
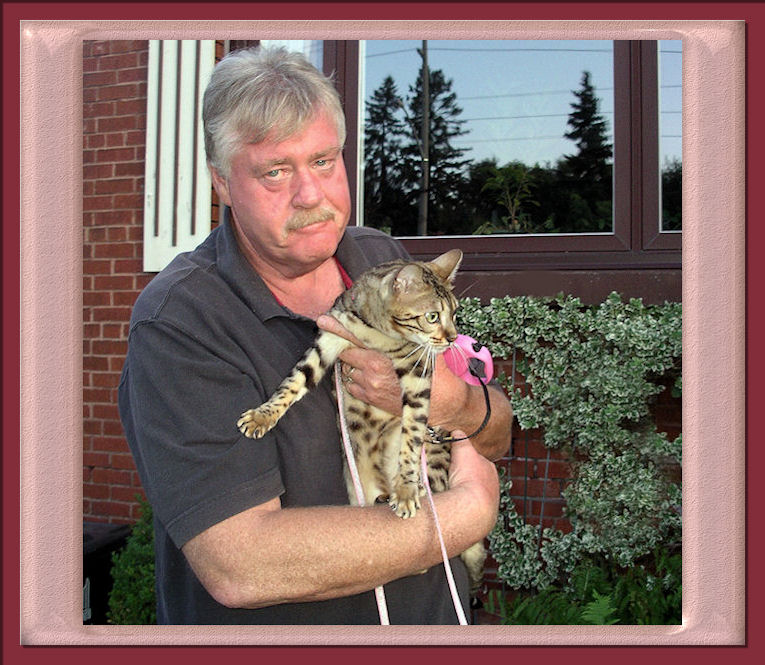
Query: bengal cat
pixel 404 309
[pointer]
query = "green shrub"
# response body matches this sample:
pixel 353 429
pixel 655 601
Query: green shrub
pixel 601 593
pixel 591 375
pixel 132 600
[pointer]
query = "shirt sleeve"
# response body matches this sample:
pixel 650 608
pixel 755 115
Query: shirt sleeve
pixel 179 403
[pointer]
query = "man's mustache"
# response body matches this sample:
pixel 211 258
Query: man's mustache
pixel 304 218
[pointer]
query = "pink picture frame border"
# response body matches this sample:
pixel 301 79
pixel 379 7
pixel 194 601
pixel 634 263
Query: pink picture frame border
pixel 50 332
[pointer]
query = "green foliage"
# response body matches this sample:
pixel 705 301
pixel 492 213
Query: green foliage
pixel 600 593
pixel 132 600
pixel 591 374
pixel 511 185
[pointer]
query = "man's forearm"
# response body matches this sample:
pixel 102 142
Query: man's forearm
pixel 265 557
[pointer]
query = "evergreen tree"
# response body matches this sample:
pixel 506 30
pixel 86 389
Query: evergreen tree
pixel 589 131
pixel 588 173
pixel 385 204
pixel 447 166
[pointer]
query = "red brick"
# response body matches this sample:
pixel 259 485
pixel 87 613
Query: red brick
pixel 96 395
pixel 98 109
pixel 97 202
pixel 112 331
pixel 92 427
pixel 95 491
pixel 99 47
pixel 98 79
pixel 95 171
pixel 120 91
pixel 96 267
pixel 134 74
pixel 116 124
pixel 130 106
pixel 133 201
pixel 122 461
pixel 113 218
pixel 116 363
pixel 126 493
pixel 115 155
pixel 113 282
pixel 115 140
pixel 136 138
pixel 109 348
pixel 113 428
pixel 104 379
pixel 129 266
pixel 121 61
pixel 95 141
pixel 129 168
pixel 96 459
pixel 115 186
pixel 95 364
pixel 111 476
pixel 127 45
pixel 110 444
pixel 127 298
pixel 111 508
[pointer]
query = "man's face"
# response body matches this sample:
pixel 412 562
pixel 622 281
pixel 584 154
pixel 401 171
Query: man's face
pixel 290 201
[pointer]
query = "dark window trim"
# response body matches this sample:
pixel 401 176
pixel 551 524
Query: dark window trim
pixel 637 241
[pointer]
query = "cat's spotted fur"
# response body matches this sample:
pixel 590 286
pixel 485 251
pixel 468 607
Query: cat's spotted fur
pixel 405 310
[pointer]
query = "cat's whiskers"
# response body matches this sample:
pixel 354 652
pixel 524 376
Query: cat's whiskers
pixel 413 351
pixel 425 349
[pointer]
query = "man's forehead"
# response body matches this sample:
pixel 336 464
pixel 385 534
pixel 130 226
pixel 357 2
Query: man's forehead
pixel 317 138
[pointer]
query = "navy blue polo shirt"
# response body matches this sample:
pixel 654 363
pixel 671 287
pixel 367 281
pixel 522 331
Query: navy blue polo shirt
pixel 207 341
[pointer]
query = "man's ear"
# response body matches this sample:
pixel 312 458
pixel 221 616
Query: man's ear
pixel 221 186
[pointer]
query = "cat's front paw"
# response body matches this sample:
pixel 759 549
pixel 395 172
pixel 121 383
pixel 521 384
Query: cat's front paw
pixel 254 423
pixel 405 500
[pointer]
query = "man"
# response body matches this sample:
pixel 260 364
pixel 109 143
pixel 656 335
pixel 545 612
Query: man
pixel 261 531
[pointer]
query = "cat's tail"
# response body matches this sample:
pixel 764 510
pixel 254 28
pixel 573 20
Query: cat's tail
pixel 311 368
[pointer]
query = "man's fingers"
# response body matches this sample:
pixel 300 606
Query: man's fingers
pixel 331 324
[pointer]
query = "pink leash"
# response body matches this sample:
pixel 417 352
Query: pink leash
pixel 382 606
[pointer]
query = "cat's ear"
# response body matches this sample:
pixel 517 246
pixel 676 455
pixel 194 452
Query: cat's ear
pixel 406 278
pixel 447 265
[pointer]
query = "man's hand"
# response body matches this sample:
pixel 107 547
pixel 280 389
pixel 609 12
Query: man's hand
pixel 369 375
pixel 454 404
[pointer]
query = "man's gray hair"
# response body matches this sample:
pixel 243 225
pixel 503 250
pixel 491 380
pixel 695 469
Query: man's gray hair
pixel 259 92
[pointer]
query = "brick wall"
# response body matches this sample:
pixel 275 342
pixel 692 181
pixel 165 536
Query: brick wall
pixel 114 121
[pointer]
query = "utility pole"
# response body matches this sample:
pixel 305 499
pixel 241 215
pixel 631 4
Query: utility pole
pixel 422 221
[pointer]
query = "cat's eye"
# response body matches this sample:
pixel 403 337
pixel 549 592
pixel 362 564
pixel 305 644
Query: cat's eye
pixel 431 317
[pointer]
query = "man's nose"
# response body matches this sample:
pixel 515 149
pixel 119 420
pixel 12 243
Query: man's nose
pixel 308 190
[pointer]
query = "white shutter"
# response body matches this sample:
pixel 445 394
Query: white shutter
pixel 177 194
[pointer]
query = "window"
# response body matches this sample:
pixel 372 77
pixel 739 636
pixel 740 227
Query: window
pixel 670 133
pixel 526 147
pixel 632 238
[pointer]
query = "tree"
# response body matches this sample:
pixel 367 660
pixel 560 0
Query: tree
pixel 589 172
pixel 672 195
pixel 511 185
pixel 445 161
pixel 384 201
pixel 589 131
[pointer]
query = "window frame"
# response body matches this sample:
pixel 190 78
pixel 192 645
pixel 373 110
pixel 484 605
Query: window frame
pixel 637 240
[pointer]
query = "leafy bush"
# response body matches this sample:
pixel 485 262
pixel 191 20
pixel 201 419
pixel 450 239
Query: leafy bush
pixel 132 600
pixel 591 374
pixel 602 594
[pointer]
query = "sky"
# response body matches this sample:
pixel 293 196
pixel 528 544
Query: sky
pixel 516 95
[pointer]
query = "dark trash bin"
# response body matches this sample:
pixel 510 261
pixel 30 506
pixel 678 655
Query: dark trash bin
pixel 99 541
